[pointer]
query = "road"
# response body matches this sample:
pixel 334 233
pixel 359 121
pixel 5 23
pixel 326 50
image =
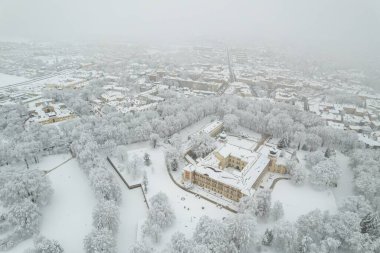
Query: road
pixel 232 77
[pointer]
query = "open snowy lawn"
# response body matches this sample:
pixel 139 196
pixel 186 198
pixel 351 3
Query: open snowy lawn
pixel 68 217
pixel 10 79
pixel 299 200
pixel 188 209
pixel 346 181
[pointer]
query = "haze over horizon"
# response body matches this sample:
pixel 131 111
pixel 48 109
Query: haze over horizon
pixel 342 28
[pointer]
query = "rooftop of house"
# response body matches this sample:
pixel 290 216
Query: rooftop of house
pixel 43 109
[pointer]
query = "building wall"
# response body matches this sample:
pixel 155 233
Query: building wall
pixel 218 187
pixel 230 161
pixel 276 168
pixel 260 178
pixel 56 119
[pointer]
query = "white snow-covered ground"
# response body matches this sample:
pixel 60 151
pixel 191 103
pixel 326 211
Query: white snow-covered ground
pixel 299 200
pixel 187 207
pixel 10 79
pixel 346 181
pixel 68 217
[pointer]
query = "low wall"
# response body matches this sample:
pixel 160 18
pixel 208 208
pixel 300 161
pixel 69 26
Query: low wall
pixel 130 187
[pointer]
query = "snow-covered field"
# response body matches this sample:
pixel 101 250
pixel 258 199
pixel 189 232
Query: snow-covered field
pixel 10 79
pixel 68 217
pixel 299 200
pixel 346 181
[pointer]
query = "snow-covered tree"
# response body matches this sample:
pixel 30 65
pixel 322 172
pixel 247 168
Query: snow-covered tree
pixel 312 225
pixel 241 229
pixel 154 138
pixel 140 248
pixel 179 244
pixel 25 217
pixel 147 159
pixel 313 158
pixel 105 185
pixel 100 241
pixel 246 205
pixel 230 122
pixel 277 211
pixel 172 156
pixel 356 204
pixel 329 245
pixel 44 245
pixel 267 237
pixel 18 185
pixel 345 227
pixel 133 166
pixel 154 231
pixel 285 237
pixel 121 153
pixel 106 215
pixel 145 182
pixel 299 139
pixel 160 211
pixel 313 141
pixel 202 144
pixel 298 175
pixel 160 216
pixel 370 224
pixel 262 203
pixel 306 245
pixel 109 147
pixel 325 174
pixel 329 152
pixel 213 234
pixel 176 141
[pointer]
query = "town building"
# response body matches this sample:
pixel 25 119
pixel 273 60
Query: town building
pixel 45 111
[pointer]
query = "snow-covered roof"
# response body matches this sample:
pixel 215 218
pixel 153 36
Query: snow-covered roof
pixel 238 152
pixel 242 181
pixel 212 126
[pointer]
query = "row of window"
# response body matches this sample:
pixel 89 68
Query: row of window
pixel 214 185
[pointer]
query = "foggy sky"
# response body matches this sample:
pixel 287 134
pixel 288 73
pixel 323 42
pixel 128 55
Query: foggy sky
pixel 348 26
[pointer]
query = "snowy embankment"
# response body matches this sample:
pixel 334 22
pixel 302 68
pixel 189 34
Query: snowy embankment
pixel 10 79
pixel 299 200
pixel 68 216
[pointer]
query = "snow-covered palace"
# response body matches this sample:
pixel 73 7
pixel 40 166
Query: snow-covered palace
pixel 235 168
